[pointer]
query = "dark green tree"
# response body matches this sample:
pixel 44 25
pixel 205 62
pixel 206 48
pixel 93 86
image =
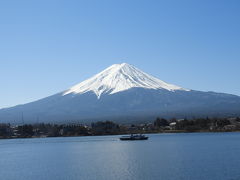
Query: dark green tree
pixel 160 122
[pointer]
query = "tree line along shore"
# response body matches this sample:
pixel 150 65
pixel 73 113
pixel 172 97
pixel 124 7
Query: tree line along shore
pixel 160 125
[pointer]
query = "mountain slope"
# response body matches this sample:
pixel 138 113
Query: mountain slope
pixel 120 77
pixel 123 93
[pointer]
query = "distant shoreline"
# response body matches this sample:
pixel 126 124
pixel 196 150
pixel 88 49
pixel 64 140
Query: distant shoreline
pixel 160 125
pixel 163 132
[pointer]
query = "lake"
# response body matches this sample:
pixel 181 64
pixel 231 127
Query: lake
pixel 195 156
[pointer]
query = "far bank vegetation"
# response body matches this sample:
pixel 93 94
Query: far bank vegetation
pixel 160 125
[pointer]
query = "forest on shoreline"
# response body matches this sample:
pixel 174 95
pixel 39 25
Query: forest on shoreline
pixel 160 125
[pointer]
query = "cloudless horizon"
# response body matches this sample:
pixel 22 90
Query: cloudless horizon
pixel 50 45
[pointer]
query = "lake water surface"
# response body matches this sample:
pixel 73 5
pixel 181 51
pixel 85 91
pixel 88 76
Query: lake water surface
pixel 196 156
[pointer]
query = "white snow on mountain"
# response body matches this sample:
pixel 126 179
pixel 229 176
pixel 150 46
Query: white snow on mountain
pixel 120 77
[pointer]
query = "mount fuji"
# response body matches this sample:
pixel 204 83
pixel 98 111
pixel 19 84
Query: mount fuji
pixel 120 77
pixel 125 94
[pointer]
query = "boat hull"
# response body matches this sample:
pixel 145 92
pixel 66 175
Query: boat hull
pixel 133 138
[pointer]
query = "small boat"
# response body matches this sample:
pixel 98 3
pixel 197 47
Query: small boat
pixel 134 137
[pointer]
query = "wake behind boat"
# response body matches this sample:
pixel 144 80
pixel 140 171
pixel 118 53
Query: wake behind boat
pixel 133 137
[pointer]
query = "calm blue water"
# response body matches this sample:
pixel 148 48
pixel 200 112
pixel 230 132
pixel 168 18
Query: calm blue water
pixel 198 156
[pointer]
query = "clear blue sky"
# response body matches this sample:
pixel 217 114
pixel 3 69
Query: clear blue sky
pixel 47 46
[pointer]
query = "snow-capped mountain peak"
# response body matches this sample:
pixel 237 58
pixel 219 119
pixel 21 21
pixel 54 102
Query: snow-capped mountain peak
pixel 120 77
